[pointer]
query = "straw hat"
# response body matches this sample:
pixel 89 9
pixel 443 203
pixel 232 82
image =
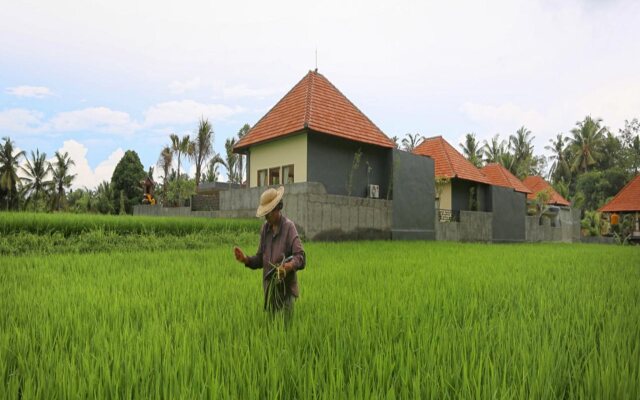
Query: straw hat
pixel 269 200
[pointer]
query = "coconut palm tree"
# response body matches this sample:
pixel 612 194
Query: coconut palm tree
pixel 181 146
pixel 493 150
pixel 241 133
pixel 202 146
pixel 165 162
pixel 212 172
pixel 62 177
pixel 9 160
pixel 232 161
pixel 104 198
pixel 588 136
pixel 471 149
pixel 35 180
pixel 411 142
pixel 560 169
pixel 522 148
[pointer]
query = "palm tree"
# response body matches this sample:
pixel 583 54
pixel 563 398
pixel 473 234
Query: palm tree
pixel 165 162
pixel 8 168
pixel 60 171
pixel 104 198
pixel 395 139
pixel 232 160
pixel 522 148
pixel 411 142
pixel 588 136
pixel 181 146
pixel 36 171
pixel 202 146
pixel 493 151
pixel 560 169
pixel 212 172
pixel 471 149
pixel 241 133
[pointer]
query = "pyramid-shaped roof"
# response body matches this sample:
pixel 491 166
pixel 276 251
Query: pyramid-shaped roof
pixel 500 176
pixel 316 104
pixel 537 184
pixel 627 199
pixel 449 163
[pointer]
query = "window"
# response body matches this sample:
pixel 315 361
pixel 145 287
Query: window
pixel 262 177
pixel 274 176
pixel 287 174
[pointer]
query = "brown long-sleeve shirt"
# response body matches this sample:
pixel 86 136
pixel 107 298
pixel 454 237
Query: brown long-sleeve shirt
pixel 275 247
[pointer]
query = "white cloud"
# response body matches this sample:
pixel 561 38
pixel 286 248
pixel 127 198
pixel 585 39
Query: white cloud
pixel 179 87
pixel 100 119
pixel 85 175
pixel 19 120
pixel 243 91
pixel 187 112
pixel 30 91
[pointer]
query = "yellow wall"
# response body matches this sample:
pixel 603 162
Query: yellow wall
pixel 286 151
pixel 445 196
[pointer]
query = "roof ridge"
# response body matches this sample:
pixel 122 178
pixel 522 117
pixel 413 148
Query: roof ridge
pixel 446 154
pixel 245 137
pixel 307 111
pixel 357 109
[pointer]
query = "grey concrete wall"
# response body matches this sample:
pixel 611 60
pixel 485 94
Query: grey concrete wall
pixel 413 191
pixel 566 230
pixel 460 195
pixel 330 161
pixel 509 212
pixel 474 226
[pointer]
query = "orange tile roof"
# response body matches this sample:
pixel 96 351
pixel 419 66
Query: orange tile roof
pixel 537 185
pixel 316 104
pixel 627 199
pixel 449 163
pixel 500 176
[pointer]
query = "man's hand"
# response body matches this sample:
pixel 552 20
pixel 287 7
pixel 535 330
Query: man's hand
pixel 281 272
pixel 239 255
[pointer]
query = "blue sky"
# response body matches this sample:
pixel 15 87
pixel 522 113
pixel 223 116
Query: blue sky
pixel 97 78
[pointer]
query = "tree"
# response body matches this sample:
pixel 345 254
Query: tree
pixel 35 180
pixel 62 178
pixel 126 180
pixel 395 139
pixel 410 142
pixel 165 162
pixel 180 147
pixel 9 160
pixel 630 138
pixel 241 133
pixel 587 140
pixel 212 172
pixel 202 146
pixel 493 151
pixel 232 161
pixel 471 149
pixel 522 149
pixel 104 198
pixel 560 169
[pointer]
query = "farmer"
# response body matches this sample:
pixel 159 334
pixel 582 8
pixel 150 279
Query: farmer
pixel 280 253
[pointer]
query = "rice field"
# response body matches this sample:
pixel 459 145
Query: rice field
pixel 374 320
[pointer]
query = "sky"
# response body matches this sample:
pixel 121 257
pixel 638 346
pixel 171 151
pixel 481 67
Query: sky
pixel 98 78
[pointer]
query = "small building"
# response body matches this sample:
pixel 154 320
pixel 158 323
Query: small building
pixel 537 184
pixel 508 198
pixel 626 202
pixel 460 186
pixel 315 134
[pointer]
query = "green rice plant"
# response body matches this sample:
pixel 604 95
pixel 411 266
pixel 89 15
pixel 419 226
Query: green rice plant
pixel 374 320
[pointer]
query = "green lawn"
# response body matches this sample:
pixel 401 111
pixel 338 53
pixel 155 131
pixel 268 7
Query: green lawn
pixel 374 320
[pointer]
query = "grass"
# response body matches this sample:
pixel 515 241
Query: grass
pixel 375 320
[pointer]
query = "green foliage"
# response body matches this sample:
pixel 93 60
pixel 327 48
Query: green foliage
pixel 484 321
pixel 472 150
pixel 126 179
pixel 9 164
pixel 598 186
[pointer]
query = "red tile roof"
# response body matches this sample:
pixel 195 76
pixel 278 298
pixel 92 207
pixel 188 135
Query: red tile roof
pixel 316 104
pixel 500 176
pixel 537 185
pixel 449 163
pixel 627 199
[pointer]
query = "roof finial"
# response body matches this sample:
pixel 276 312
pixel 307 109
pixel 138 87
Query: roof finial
pixel 316 59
